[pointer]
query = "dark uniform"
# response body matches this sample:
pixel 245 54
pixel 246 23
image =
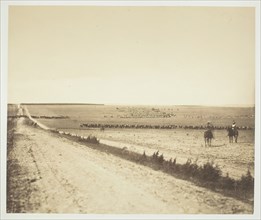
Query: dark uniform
pixel 234 125
pixel 210 128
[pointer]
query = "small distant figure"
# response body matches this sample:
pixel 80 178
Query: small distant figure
pixel 210 126
pixel 234 125
pixel 208 134
pixel 232 132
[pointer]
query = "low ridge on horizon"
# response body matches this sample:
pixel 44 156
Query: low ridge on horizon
pixel 87 103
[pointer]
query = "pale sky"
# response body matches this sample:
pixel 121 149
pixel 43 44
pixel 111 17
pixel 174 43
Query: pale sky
pixel 132 55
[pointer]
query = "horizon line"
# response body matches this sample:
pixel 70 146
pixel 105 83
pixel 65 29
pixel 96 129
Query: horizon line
pixel 83 103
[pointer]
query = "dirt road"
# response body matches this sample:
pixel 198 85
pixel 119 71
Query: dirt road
pixel 55 175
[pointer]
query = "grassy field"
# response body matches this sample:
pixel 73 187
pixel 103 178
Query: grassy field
pixel 143 115
pixel 179 152
pixel 182 144
pixel 232 158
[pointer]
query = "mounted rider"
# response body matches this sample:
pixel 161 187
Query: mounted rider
pixel 233 132
pixel 208 134
pixel 234 127
pixel 210 128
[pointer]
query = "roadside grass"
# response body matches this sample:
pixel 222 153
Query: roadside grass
pixel 12 167
pixel 90 139
pixel 208 175
pixel 11 125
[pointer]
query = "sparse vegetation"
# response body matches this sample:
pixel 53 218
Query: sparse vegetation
pixel 13 202
pixel 90 139
pixel 208 175
pixel 11 124
pixel 245 184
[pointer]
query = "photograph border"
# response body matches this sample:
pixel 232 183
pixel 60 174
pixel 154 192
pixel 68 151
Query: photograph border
pixel 4 77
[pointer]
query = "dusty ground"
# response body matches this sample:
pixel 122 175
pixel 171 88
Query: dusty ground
pixel 55 175
pixel 232 158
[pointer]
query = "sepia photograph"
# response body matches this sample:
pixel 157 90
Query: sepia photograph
pixel 126 110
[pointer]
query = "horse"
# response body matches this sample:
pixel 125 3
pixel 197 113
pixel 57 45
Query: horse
pixel 232 133
pixel 208 135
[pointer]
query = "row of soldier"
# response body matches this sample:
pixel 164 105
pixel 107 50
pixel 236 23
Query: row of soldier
pixel 142 126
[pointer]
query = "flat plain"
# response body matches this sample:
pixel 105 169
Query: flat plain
pixel 182 142
pixel 45 168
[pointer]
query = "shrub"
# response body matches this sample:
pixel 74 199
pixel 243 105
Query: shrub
pixel 174 162
pixel 209 172
pixel 173 165
pixel 168 164
pixel 186 167
pixel 194 169
pixel 189 169
pixel 143 157
pixel 161 159
pixel 158 159
pixel 246 183
pixel 227 183
pixel 92 139
pixel 155 155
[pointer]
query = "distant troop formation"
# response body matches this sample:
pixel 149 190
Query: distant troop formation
pixel 49 117
pixel 208 133
pixel 140 126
